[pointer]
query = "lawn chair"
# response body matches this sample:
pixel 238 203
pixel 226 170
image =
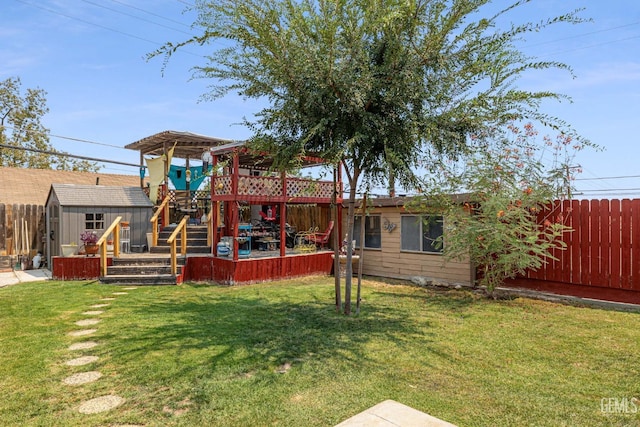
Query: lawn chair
pixel 321 239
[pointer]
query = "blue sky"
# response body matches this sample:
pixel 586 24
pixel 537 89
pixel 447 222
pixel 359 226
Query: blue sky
pixel 89 56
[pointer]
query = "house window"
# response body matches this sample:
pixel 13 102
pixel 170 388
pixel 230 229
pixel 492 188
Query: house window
pixel 421 233
pixel 372 234
pixel 94 221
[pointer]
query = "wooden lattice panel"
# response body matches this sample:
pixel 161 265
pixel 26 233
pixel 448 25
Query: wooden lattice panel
pixel 308 188
pixel 222 185
pixel 259 186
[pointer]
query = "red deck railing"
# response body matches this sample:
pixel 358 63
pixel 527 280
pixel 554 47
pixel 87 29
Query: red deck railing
pixel 297 189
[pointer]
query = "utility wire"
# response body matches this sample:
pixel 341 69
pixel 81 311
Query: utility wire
pixel 66 137
pixel 609 190
pixel 62 153
pixel 152 13
pixel 136 17
pixel 101 26
pixel 581 35
pixel 607 177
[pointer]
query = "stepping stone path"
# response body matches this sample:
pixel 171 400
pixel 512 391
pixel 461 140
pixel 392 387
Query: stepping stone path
pixel 88 322
pixel 83 345
pixel 82 378
pixel 84 360
pixel 82 332
pixel 102 403
pixel 93 312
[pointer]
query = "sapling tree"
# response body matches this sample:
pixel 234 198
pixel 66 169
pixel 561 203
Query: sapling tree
pixel 496 202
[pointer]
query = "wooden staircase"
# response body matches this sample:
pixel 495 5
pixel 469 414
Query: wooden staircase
pixel 143 270
pixel 196 240
pixel 154 268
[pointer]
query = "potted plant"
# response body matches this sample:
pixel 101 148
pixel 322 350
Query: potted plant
pixel 69 250
pixel 89 239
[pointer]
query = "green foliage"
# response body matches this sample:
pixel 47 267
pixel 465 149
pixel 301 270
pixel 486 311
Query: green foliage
pixel 503 222
pixel 375 85
pixel 20 126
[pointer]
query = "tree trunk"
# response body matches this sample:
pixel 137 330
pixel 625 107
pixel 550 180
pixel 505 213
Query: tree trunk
pixel 336 246
pixel 353 183
pixel 363 210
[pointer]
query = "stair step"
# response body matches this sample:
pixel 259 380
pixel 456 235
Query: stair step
pixel 141 270
pixel 157 261
pixel 190 249
pixel 191 241
pixel 156 279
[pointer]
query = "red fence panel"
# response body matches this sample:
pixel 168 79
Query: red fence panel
pixel 625 232
pixel 635 245
pixel 573 244
pixel 603 248
pixel 615 246
pixel 585 248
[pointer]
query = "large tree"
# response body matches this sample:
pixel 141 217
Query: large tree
pixel 375 85
pixel 20 127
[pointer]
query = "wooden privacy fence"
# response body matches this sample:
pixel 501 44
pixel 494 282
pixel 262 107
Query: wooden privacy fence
pixel 10 215
pixel 603 250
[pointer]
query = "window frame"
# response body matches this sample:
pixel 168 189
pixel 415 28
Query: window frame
pixel 356 229
pixel 420 219
pixel 96 222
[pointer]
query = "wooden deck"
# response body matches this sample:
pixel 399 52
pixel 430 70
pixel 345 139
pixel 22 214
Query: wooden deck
pixel 262 266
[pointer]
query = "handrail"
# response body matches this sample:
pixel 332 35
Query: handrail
pixel 209 228
pixel 164 209
pixel 182 230
pixel 102 243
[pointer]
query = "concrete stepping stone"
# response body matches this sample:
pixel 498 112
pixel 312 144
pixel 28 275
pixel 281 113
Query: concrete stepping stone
pixel 107 299
pixel 87 322
pixel 121 293
pixel 130 288
pixel 93 312
pixel 82 378
pixel 83 345
pixel 82 332
pixel 99 305
pixel 80 361
pixel 101 404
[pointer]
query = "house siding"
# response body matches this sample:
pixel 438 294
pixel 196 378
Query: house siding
pixel 390 261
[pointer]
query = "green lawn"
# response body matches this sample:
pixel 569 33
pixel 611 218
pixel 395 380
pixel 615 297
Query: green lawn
pixel 209 355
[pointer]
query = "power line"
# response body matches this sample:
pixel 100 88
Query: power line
pixel 609 190
pixel 136 17
pixel 583 34
pixel 62 153
pixel 101 26
pixel 67 137
pixel 589 47
pixel 607 177
pixel 152 13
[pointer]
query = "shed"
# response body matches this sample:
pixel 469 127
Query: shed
pixel 398 243
pixel 73 209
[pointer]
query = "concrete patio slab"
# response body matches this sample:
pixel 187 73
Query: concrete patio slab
pixel 393 414
pixel 21 276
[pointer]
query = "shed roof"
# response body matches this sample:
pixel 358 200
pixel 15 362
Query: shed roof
pixel 187 144
pixel 99 195
pixel 31 186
